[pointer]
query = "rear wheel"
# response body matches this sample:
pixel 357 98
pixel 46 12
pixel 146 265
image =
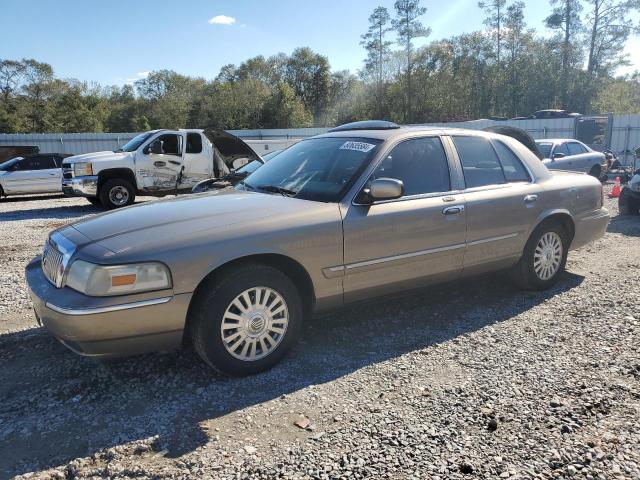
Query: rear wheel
pixel 247 321
pixel 116 193
pixel 627 204
pixel 543 259
pixel 595 171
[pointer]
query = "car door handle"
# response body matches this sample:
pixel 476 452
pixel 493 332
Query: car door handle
pixel 453 210
pixel 530 198
pixel 174 162
pixel 53 174
pixel 159 164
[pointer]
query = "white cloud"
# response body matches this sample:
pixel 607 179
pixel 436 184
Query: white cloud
pixel 222 20
pixel 139 76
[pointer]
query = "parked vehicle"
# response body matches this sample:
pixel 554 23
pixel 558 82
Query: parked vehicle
pixel 629 200
pixel 365 210
pixel 551 113
pixel 39 173
pixel 233 178
pixel 572 155
pixel 154 163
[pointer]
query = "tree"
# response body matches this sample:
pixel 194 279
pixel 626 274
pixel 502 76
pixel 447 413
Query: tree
pixel 494 19
pixel 408 28
pixel 378 49
pixel 609 26
pixel 565 18
pixel 516 39
pixel 308 73
pixel 284 110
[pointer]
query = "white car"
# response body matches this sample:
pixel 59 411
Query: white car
pixel 572 155
pixel 40 173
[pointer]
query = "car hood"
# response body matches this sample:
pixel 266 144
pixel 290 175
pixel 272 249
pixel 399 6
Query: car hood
pixel 178 223
pixel 106 156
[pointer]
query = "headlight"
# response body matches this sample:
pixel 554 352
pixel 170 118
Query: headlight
pixel 82 169
pixel 101 281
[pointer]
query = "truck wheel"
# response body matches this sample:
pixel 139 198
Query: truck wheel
pixel 116 193
pixel 543 259
pixel 94 201
pixel 627 205
pixel 247 321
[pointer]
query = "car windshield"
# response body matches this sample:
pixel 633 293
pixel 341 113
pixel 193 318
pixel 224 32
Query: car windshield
pixel 545 149
pixel 133 144
pixel 250 167
pixel 318 169
pixel 270 155
pixel 4 166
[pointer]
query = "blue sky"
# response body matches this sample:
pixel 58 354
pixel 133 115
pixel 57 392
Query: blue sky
pixel 118 41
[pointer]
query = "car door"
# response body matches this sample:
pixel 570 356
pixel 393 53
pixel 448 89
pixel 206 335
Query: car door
pixel 197 165
pixel 560 157
pixel 580 158
pixel 50 168
pixel 501 201
pixel 411 241
pixel 33 175
pixel 159 160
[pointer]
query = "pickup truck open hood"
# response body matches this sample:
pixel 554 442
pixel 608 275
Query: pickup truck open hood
pixel 521 135
pixel 228 149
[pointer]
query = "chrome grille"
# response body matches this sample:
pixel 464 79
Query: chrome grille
pixel 52 264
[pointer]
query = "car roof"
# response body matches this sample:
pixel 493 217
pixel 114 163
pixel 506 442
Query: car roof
pixel 386 134
pixel 556 140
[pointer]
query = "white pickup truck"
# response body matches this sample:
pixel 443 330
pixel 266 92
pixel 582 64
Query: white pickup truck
pixel 154 163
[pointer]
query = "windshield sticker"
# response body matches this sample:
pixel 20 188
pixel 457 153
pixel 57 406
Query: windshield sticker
pixel 358 146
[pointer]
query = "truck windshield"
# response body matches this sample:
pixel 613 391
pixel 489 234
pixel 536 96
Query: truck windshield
pixel 133 144
pixel 318 169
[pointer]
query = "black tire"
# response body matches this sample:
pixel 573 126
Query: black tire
pixel 108 197
pixel 595 171
pixel 94 201
pixel 211 304
pixel 627 205
pixel 523 274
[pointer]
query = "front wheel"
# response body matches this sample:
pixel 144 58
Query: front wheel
pixel 543 259
pixel 116 193
pixel 247 321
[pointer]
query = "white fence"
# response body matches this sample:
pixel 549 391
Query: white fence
pixel 625 134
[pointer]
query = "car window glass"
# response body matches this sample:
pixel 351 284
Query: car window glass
pixel 561 148
pixel 194 143
pixel 421 165
pixel 170 143
pixel 479 161
pixel 545 149
pixel 512 167
pixel 575 148
pixel 38 163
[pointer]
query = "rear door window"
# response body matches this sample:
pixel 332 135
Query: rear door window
pixel 194 143
pixel 420 163
pixel 480 163
pixel 512 166
pixel 561 148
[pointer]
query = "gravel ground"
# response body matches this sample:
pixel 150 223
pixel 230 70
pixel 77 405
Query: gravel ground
pixel 477 380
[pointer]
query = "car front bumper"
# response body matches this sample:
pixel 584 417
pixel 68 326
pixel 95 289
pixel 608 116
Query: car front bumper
pixel 590 227
pixel 80 186
pixel 108 326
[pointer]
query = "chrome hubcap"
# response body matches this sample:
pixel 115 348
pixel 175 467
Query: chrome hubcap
pixel 254 323
pixel 118 195
pixel 547 256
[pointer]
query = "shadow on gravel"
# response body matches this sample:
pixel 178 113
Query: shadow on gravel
pixel 31 198
pixel 628 225
pixel 56 406
pixel 53 212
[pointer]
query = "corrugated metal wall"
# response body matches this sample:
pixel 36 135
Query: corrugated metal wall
pixel 625 135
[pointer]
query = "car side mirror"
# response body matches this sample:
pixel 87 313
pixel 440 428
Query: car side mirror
pixel 381 189
pixel 558 155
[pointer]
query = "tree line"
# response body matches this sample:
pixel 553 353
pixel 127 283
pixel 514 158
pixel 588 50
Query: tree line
pixel 507 69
